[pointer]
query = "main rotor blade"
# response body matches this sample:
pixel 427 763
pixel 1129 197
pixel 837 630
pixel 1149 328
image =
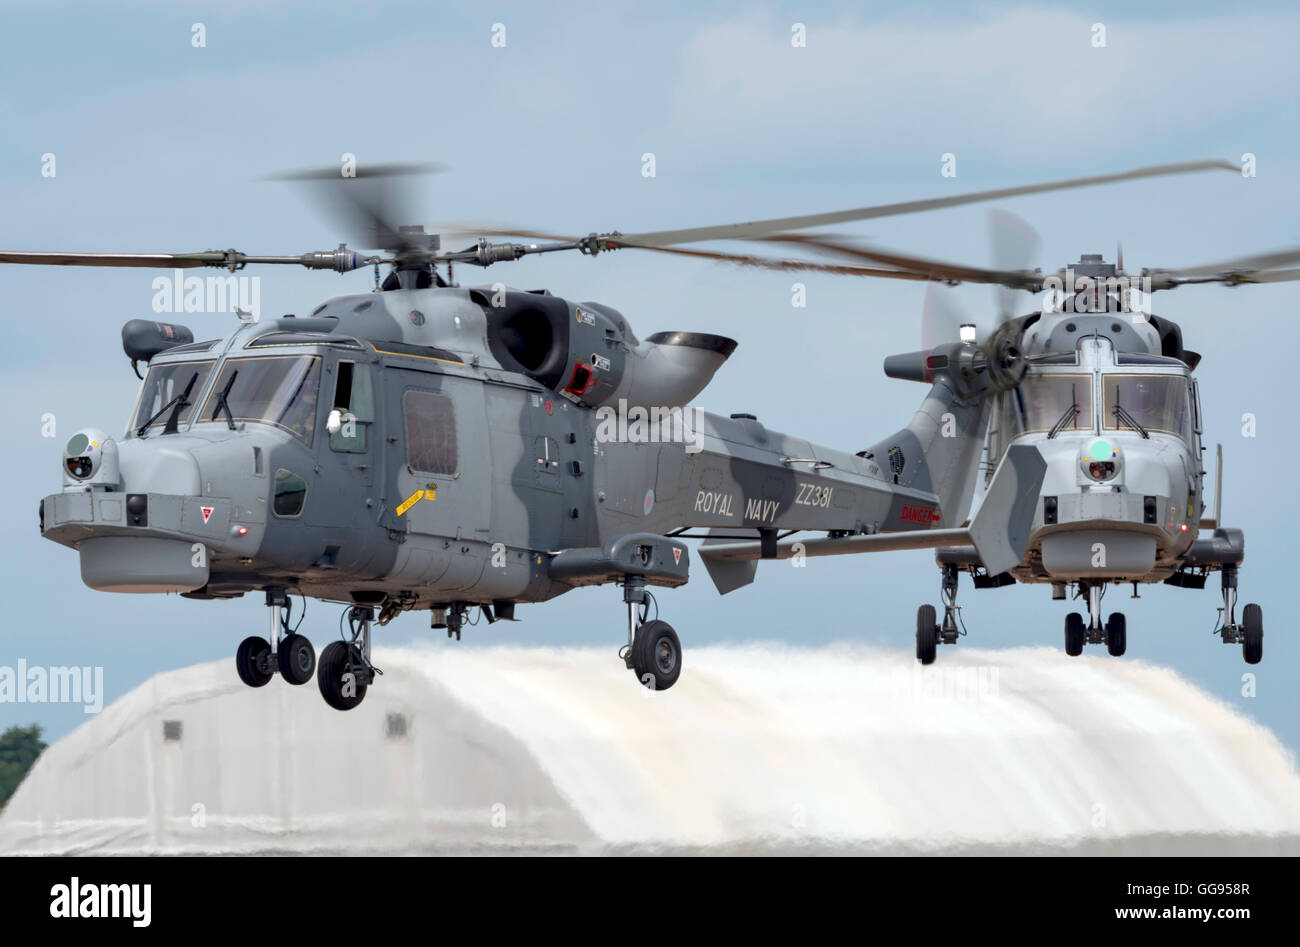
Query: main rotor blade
pixel 166 260
pixel 762 228
pixel 925 268
pixel 341 259
pixel 741 259
pixel 1015 247
pixel 362 170
pixel 369 204
pixel 794 265
pixel 1259 268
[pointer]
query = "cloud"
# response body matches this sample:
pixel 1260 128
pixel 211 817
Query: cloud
pixel 1024 82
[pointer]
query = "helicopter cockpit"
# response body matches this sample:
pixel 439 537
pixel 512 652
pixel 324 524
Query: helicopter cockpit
pixel 1117 392
pixel 280 390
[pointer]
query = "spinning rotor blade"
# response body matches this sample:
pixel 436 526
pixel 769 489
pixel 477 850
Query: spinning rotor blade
pixel 919 267
pixel 1015 247
pixel 370 203
pixel 167 260
pixel 741 259
pixel 1260 268
pixel 341 260
pixel 779 227
pixel 764 228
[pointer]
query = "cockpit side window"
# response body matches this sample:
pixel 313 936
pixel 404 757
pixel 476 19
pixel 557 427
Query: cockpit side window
pixel 279 390
pixel 354 399
pixel 163 385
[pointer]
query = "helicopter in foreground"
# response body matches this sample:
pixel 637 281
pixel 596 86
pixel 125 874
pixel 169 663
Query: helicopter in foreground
pixel 428 446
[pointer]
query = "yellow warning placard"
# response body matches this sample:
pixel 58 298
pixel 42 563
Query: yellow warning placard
pixel 410 501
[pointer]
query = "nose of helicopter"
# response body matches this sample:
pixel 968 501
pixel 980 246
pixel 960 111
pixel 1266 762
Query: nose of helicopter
pixel 143 516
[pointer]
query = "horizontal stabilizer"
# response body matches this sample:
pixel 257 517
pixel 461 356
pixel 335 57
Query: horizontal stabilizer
pixel 727 574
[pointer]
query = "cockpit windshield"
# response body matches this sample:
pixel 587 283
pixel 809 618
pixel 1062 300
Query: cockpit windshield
pixel 279 390
pixel 1147 402
pixel 1047 402
pixel 163 387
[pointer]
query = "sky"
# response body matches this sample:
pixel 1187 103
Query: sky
pixel 163 145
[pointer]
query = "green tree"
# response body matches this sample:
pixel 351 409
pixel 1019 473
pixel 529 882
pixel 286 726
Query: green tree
pixel 19 748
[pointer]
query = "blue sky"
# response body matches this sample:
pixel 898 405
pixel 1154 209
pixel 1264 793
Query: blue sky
pixel 160 146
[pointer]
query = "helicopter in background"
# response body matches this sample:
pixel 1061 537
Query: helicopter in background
pixel 1106 393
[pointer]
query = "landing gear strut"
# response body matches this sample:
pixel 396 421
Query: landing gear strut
pixel 345 670
pixel 930 635
pixel 258 660
pixel 653 652
pixel 1113 633
pixel 1250 632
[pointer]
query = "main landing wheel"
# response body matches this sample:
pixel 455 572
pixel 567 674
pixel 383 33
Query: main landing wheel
pixel 297 659
pixel 656 655
pixel 1252 633
pixel 253 661
pixel 1116 634
pixel 338 685
pixel 927 634
pixel 1074 634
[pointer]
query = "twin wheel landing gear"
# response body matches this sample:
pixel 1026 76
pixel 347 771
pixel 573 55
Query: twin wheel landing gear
pixel 653 652
pixel 1250 632
pixel 1114 634
pixel 343 673
pixel 291 656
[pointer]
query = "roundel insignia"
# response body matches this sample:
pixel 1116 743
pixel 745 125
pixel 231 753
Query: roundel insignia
pixel 649 501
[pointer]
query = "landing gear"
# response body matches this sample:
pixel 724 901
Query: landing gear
pixel 1074 634
pixel 1113 633
pixel 927 635
pixel 1116 634
pixel 1250 633
pixel 296 659
pixel 930 635
pixel 653 651
pixel 258 660
pixel 253 662
pixel 345 671
pixel 656 655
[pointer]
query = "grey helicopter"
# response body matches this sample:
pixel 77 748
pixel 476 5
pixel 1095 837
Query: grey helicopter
pixel 431 446
pixel 1105 391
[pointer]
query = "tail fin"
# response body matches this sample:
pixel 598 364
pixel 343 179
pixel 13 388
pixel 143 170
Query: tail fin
pixel 939 450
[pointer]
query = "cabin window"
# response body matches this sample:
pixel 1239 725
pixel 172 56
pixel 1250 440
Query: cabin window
pixel 279 390
pixel 1153 402
pixel 162 384
pixel 290 493
pixel 354 399
pixel 1047 401
pixel 430 432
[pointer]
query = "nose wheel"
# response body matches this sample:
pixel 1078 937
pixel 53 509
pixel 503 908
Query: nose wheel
pixel 1113 633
